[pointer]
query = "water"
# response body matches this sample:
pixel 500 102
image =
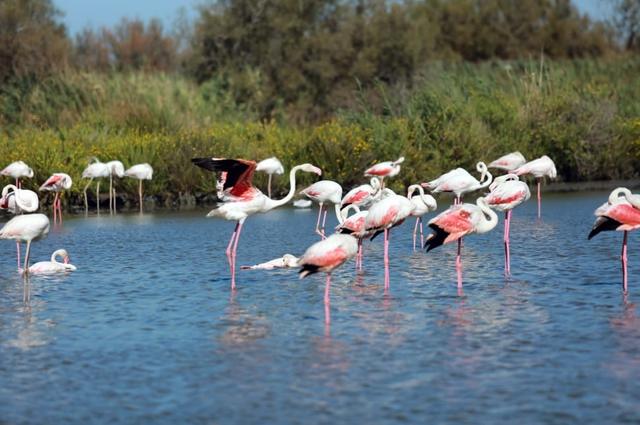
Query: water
pixel 147 329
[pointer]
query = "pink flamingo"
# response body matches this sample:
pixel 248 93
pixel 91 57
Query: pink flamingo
pixel 459 181
pixel 354 225
pixel 538 168
pixel 508 162
pixel 507 192
pixel 26 228
pixel 362 195
pixel 458 221
pixel 17 170
pixel 54 266
pixel 422 204
pixel 57 183
pixel 325 256
pixel 384 169
pixel 621 214
pixel 322 192
pixel 270 166
pixel 242 198
pixel 389 212
pixel 18 201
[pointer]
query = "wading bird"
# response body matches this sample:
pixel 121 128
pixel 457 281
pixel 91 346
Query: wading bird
pixel 458 221
pixel 363 195
pixel 140 172
pixel 354 225
pixel 26 228
pixel 270 166
pixel 422 204
pixel 459 181
pixel 242 198
pixel 621 214
pixel 538 168
pixel 18 201
pixel 389 212
pixel 285 262
pixel 53 266
pixel 116 168
pixel 326 256
pixel 508 162
pixel 17 170
pixel 384 169
pixel 324 191
pixel 95 170
pixel 57 183
pixel 507 192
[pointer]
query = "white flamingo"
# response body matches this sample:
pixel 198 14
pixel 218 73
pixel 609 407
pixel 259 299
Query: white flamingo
pixel 17 170
pixel 53 266
pixel 270 166
pixel 116 168
pixel 140 172
pixel 95 170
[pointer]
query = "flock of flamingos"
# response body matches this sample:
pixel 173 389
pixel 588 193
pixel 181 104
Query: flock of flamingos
pixel 363 213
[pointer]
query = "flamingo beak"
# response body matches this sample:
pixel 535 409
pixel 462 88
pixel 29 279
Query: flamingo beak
pixel 317 171
pixel 66 259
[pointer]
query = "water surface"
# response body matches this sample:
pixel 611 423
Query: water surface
pixel 148 331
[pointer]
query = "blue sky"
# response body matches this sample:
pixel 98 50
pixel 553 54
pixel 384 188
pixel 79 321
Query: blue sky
pixel 97 13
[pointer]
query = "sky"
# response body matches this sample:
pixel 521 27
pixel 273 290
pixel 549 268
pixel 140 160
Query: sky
pixel 79 14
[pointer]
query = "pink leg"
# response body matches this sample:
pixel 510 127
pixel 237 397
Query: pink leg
pixel 539 199
pixel 233 237
pixel 415 232
pixel 360 254
pixel 459 263
pixel 624 263
pixel 421 234
pixel 60 209
pixel 318 220
pixel 506 243
pixel 18 185
pixel 324 220
pixel 55 208
pixel 233 256
pixel 18 251
pixel 386 259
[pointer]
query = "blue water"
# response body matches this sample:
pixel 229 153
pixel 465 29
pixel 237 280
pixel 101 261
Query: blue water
pixel 148 331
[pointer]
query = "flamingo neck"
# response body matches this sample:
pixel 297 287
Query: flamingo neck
pixel 486 224
pixel 271 203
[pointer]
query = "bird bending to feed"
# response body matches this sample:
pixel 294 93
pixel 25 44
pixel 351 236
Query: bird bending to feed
pixel 389 212
pixel 284 262
pixel 26 228
pixel 57 183
pixel 507 192
pixel 270 166
pixel 95 170
pixel 384 169
pixel 322 192
pixel 508 162
pixel 363 195
pixel 242 199
pixel 18 201
pixel 325 256
pixel 422 204
pixel 116 168
pixel 53 266
pixel 538 168
pixel 17 170
pixel 140 172
pixel 458 221
pixel 621 213
pixel 354 225
pixel 459 181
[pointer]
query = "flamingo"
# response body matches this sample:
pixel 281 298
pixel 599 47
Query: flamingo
pixel 458 221
pixel 538 168
pixel 270 166
pixel 140 172
pixel 321 192
pixel 57 183
pixel 508 162
pixel 507 192
pixel 53 266
pixel 95 170
pixel 621 214
pixel 362 195
pixel 459 181
pixel 284 262
pixel 17 170
pixel 18 201
pixel 302 203
pixel 242 198
pixel 389 212
pixel 325 256
pixel 384 169
pixel 422 204
pixel 354 225
pixel 116 168
pixel 26 228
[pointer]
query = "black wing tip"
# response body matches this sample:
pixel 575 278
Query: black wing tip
pixel 436 239
pixel 375 234
pixel 603 224
pixel 308 269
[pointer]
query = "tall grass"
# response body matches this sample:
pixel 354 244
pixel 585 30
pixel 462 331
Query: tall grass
pixel 584 114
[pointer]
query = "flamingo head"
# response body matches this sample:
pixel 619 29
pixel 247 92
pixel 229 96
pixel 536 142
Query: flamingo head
pixel 311 169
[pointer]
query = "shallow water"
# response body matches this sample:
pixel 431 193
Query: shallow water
pixel 147 329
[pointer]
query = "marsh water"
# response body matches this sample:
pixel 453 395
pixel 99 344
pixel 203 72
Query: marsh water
pixel 148 331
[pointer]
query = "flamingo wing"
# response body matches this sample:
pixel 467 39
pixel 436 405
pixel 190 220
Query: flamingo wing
pixel 449 226
pixel 239 172
pixel 52 181
pixel 620 216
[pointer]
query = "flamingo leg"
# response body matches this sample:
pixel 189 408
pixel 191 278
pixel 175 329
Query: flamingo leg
pixel 233 255
pixel 110 192
pixel 506 243
pixel 86 203
pixel 415 233
pixel 359 255
pixel 98 196
pixel 539 200
pixel 324 220
pixel 25 274
pixel 18 183
pixel 115 211
pixel 55 208
pixel 386 259
pixel 327 301
pixel 624 262
pixel 269 187
pixel 140 194
pixel 18 252
pixel 421 232
pixel 233 237
pixel 459 263
pixel 318 220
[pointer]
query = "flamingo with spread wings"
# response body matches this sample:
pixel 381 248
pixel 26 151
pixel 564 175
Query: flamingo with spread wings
pixel 241 197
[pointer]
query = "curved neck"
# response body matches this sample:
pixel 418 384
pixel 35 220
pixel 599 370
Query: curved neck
pixel 485 179
pixel 486 224
pixel 54 257
pixel 338 213
pixel 8 187
pixel 342 215
pixel 272 203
